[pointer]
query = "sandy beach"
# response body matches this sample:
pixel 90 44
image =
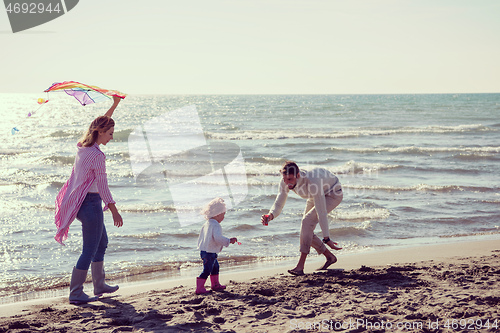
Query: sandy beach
pixel 437 288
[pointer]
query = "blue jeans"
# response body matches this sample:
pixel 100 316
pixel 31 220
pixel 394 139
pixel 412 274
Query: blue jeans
pixel 95 238
pixel 210 264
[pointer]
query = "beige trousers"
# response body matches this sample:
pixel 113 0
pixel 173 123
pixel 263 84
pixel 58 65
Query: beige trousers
pixel 310 220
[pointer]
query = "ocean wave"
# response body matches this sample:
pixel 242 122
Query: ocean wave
pixel 245 227
pixel 266 160
pixel 38 182
pixel 495 201
pixel 147 208
pixel 345 232
pixel 66 134
pixel 408 209
pixel 10 152
pixel 57 185
pixel 44 207
pixel 185 236
pixel 446 169
pixel 122 135
pixel 360 215
pixel 421 150
pixel 59 160
pixel 147 235
pixel 255 168
pixel 119 136
pixel 350 167
pixel 30 284
pixel 358 132
pixel 421 187
pixel 158 235
pixel 477 156
pixel 148 248
pixel 486 233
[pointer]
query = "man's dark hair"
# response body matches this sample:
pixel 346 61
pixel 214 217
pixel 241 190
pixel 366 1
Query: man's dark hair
pixel 290 168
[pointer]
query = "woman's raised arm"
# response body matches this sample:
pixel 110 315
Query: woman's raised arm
pixel 116 100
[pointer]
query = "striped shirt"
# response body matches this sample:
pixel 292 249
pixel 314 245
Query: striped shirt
pixel 90 167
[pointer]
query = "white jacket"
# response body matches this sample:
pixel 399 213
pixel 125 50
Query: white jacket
pixel 211 239
pixel 314 184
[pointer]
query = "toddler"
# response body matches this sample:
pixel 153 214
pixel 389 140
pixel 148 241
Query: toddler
pixel 210 243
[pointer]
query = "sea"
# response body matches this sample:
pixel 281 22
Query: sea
pixel 416 169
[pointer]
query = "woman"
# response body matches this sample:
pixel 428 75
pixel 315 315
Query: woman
pixel 81 197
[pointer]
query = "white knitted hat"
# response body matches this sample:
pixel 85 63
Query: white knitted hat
pixel 214 208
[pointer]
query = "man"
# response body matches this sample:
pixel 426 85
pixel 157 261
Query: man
pixel 323 192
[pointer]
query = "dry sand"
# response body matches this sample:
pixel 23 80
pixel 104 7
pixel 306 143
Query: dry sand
pixel 440 288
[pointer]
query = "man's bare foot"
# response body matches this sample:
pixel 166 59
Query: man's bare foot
pixel 329 261
pixel 296 272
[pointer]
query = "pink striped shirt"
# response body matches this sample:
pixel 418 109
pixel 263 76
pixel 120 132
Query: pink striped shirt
pixel 90 167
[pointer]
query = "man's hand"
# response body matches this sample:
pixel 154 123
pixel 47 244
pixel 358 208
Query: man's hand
pixel 266 218
pixel 334 245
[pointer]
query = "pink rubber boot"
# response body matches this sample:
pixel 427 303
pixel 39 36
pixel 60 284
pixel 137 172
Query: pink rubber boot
pixel 215 283
pixel 200 286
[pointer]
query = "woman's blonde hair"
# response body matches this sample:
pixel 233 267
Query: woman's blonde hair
pixel 103 123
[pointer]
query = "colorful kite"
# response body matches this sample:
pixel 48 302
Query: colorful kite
pixel 85 94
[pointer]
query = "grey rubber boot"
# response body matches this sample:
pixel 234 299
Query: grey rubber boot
pixel 98 277
pixel 76 294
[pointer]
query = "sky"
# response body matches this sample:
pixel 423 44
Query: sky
pixel 260 47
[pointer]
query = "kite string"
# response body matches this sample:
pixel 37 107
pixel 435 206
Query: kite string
pixel 16 129
pixel 44 102
pixel 32 113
